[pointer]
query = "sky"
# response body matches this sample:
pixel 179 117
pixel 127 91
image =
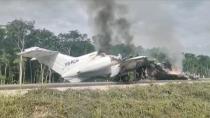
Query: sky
pixel 154 23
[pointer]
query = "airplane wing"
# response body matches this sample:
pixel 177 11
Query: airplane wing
pixel 136 58
pixel 133 63
pixel 36 52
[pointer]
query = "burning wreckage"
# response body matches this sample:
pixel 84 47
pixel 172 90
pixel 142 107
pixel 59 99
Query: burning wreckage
pixel 144 68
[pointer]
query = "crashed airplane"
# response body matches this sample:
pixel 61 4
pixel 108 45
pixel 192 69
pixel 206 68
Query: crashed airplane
pixel 97 64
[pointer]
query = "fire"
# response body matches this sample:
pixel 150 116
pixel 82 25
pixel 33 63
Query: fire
pixel 175 71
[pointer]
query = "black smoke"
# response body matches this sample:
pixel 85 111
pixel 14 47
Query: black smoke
pixel 110 26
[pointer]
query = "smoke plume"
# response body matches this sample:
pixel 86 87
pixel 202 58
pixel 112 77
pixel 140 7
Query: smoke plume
pixel 111 26
pixel 156 26
pixel 109 23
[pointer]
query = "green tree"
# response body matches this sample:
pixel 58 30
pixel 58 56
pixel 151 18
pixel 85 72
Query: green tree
pixel 74 43
pixel 197 64
pixel 124 50
pixel 17 32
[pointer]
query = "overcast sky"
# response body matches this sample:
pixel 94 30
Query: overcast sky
pixel 187 23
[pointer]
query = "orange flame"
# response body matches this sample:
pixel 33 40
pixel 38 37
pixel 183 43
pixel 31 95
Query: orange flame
pixel 175 71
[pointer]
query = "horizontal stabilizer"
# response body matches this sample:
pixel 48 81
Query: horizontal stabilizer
pixel 36 52
pixel 52 59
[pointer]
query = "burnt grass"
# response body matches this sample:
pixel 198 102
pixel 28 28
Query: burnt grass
pixel 172 100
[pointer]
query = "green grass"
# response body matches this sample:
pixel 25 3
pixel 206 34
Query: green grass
pixel 174 101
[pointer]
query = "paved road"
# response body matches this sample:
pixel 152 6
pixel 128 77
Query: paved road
pixel 92 84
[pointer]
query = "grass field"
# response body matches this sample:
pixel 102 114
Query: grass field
pixel 174 101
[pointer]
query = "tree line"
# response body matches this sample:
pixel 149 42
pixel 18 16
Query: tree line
pixel 18 35
pixel 199 65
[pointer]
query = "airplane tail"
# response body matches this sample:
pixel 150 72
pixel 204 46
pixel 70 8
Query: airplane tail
pixel 55 60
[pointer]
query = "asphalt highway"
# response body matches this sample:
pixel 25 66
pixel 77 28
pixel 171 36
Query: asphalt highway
pixel 92 84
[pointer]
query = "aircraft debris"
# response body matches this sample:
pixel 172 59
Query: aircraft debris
pixel 148 69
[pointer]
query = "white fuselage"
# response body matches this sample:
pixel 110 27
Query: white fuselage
pixel 92 65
